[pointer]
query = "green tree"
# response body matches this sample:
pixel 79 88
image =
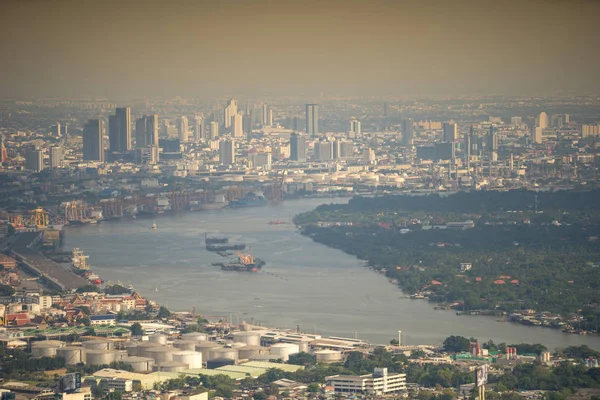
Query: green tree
pixel 163 312
pixel 313 388
pixel 136 329
pixel 456 344
pixel 302 358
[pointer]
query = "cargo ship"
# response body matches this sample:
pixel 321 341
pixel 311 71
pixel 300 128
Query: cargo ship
pixel 79 263
pixel 218 203
pixel 249 200
pixel 244 263
pixel 213 247
pixel 215 240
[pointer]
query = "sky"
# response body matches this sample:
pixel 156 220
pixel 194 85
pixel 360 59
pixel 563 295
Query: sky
pixel 124 49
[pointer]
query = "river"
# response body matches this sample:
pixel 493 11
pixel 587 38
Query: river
pixel 304 283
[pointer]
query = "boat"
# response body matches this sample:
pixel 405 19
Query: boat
pixel 215 240
pixel 244 263
pixel 218 203
pixel 79 263
pixel 213 247
pixel 154 226
pixel 249 200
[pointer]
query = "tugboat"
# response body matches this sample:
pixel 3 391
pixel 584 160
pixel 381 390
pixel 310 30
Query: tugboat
pixel 154 226
pixel 79 264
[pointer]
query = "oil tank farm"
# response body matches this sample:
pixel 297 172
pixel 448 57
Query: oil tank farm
pixel 248 338
pixel 247 352
pixel 139 348
pixel 197 336
pixel 206 347
pixel 219 362
pixel 46 348
pixel 283 350
pixel 99 357
pixel 189 345
pixel 139 364
pixel 159 338
pixel 72 354
pixel 192 359
pixel 97 345
pixel 223 353
pixel 160 354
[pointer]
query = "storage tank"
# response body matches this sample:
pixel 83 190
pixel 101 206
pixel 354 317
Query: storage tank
pixel 72 354
pixel 328 355
pixel 185 344
pixel 160 354
pixel 120 355
pixel 44 349
pixel 171 366
pixel 139 348
pixel 197 336
pixel 223 353
pixel 159 338
pixel 206 347
pixel 139 364
pixel 97 345
pixel 99 357
pixel 247 352
pixel 283 350
pixel 219 362
pixel 192 359
pixel 303 346
pixel 248 338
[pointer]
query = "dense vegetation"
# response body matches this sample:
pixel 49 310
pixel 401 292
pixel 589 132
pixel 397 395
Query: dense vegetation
pixel 552 266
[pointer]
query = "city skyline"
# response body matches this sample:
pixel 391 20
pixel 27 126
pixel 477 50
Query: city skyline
pixel 404 47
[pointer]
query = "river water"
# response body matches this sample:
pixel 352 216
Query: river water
pixel 304 283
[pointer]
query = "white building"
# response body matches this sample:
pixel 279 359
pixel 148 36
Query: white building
pixel 236 126
pixel 230 111
pixel 543 120
pixel 377 383
pixel 182 129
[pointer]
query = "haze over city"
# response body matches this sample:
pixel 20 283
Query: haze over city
pixel 123 49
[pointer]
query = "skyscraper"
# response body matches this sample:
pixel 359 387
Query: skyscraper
pixel 346 149
pixel 312 120
pixel 152 130
pixel 493 139
pixel 227 152
pixel 230 111
pixel 450 131
pixel 119 130
pixel 543 120
pixel 93 148
pixel 34 159
pixel 56 129
pixel 354 127
pixel 3 152
pixel 408 132
pixel 324 151
pixel 297 147
pixel 264 115
pixel 537 134
pixel 140 132
pixel 214 130
pixel 182 129
pixel 198 128
pixel 56 157
pixel 236 126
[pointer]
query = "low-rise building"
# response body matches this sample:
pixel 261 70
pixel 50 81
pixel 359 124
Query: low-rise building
pixel 380 382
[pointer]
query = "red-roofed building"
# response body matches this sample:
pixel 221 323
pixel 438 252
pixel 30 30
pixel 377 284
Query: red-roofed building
pixel 434 282
pixel 477 279
pixel 515 281
pixel 385 225
pixel 499 282
pixel 18 319
pixel 504 277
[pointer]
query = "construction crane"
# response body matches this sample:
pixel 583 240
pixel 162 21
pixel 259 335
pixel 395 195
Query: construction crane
pixel 274 192
pixel 17 221
pixel 39 217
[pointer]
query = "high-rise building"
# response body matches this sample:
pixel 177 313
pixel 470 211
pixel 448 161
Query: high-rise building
pixel 269 117
pixel 346 149
pixel 590 130
pixel 543 120
pixel 56 129
pixel 93 147
pixel 408 132
pixel 140 132
pixel 312 120
pixel 119 130
pixel 516 120
pixel 354 127
pixel 324 151
pixel 236 126
pixel 198 128
pixel 264 115
pixel 337 148
pixel 214 130
pixel 450 130
pixel 152 130
pixel 64 130
pixel 56 157
pixel 493 139
pixel 3 152
pixel 227 152
pixel 230 111
pixel 34 159
pixel 369 156
pixel 182 129
pixel 297 147
pixel 538 134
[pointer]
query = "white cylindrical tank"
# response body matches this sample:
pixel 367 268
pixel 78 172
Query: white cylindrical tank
pixel 303 346
pixel 139 348
pixel 159 338
pixel 185 344
pixel 160 354
pixel 72 354
pixel 171 366
pixel 206 347
pixel 283 350
pixel 248 338
pixel 120 355
pixel 139 364
pixel 192 359
pixel 97 345
pixel 197 336
pixel 247 352
pixel 328 355
pixel 223 353
pixel 43 349
pixel 99 357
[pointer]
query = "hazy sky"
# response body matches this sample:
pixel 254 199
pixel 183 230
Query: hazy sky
pixel 201 48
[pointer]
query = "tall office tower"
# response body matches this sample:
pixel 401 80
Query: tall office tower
pixel 337 149
pixel 493 139
pixel 140 133
pixel 230 111
pixel 297 147
pixel 312 120
pixel 34 159
pixel 3 152
pixel 369 156
pixel 346 149
pixel 269 117
pixel 56 129
pixel 467 148
pixel 324 151
pixel 227 152
pixel 182 129
pixel 64 130
pixel 537 134
pixel 354 127
pixel 93 148
pixel 56 156
pixel 264 115
pixel 119 130
pixel 450 131
pixel 214 130
pixel 542 120
pixel 247 124
pixel 408 132
pixel 237 130
pixel 198 128
pixel 152 130
pixel 296 124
